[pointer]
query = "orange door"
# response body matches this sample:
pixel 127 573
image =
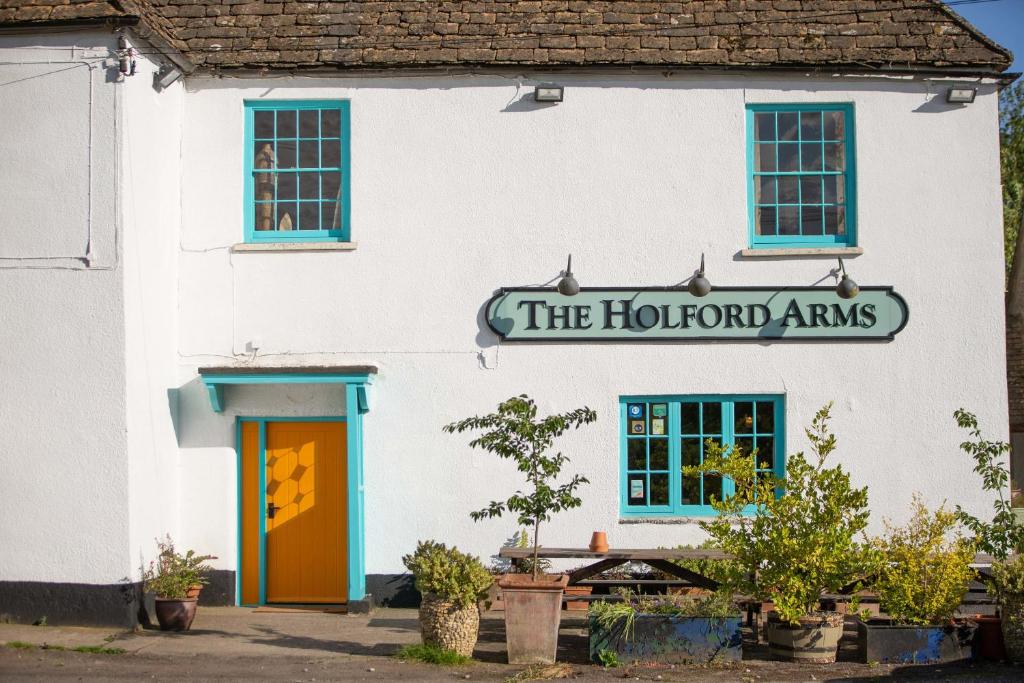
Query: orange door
pixel 306 512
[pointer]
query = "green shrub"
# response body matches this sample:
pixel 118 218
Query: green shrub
pixel 448 573
pixel 716 570
pixel 793 538
pixel 431 654
pixel 1007 578
pixel 172 574
pixel 621 616
pixel 923 574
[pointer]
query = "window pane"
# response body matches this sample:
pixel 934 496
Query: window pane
pixel 789 220
pixel 810 220
pixel 309 123
pixel 766 220
pixel 764 188
pixel 691 452
pixel 712 487
pixel 330 123
pixel 690 414
pixel 285 124
pixel 764 126
pixel 332 216
pixel 309 154
pixel 810 125
pixel 833 185
pixel 286 155
pixel 789 157
pixel 636 454
pixel 835 156
pixel 287 184
pixel 309 216
pixel 331 153
pixel 789 189
pixel 264 157
pixel 265 216
pixel 835 124
pixel 690 490
pixel 745 445
pixel 659 454
pixel 810 189
pixel 286 216
pixel 263 187
pixel 636 494
pixel 765 157
pixel 765 418
pixel 309 185
pixel 332 185
pixel 263 124
pixel 712 419
pixel 810 157
pixel 744 417
pixel 835 220
pixel 788 123
pixel 765 452
pixel 659 489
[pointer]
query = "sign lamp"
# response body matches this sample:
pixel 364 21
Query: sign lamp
pixel 847 288
pixel 699 285
pixel 568 286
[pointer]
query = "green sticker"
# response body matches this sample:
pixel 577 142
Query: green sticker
pixel 659 410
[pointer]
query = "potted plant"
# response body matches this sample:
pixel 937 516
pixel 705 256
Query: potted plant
pixel 666 629
pixel 450 583
pixel 532 602
pixel 923 572
pixel 999 538
pixel 171 577
pixel 793 539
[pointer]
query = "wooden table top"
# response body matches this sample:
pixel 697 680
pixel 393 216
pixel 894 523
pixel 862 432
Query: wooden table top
pixel 638 554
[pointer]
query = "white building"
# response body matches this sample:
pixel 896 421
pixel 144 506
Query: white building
pixel 179 300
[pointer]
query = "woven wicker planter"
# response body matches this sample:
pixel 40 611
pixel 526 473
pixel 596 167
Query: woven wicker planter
pixel 449 626
pixel 1011 607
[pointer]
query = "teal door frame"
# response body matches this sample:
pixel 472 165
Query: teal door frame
pixel 356 405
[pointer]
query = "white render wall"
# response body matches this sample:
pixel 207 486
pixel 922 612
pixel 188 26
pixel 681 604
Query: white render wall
pixel 461 185
pixel 64 485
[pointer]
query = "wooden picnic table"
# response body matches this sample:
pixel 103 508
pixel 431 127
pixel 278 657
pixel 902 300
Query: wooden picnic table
pixel 656 558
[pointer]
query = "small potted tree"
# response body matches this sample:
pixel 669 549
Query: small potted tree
pixel 923 572
pixel 1000 538
pixel 450 583
pixel 532 602
pixel 793 539
pixel 172 577
pixel 666 629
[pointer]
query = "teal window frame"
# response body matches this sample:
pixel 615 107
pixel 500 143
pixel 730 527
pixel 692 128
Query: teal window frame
pixel 343 233
pixel 675 435
pixel 849 204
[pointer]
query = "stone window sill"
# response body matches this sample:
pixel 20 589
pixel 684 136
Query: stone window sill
pixel 798 252
pixel 294 246
pixel 664 520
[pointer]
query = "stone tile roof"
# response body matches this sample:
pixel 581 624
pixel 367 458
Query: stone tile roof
pixel 862 34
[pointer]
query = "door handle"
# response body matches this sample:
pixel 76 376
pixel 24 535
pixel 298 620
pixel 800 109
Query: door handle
pixel 272 510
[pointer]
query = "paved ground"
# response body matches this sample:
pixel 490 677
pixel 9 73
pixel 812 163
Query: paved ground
pixel 228 644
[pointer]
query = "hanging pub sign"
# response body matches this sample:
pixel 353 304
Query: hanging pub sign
pixel 541 314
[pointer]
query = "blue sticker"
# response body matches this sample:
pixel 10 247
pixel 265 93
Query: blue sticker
pixel 636 410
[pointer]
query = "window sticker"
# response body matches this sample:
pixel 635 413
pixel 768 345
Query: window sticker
pixel 659 410
pixel 636 427
pixel 635 410
pixel 636 488
pixel 658 426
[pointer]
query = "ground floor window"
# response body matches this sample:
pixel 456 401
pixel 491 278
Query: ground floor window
pixel 663 434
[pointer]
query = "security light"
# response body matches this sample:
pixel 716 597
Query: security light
pixel 568 286
pixel 961 94
pixel 548 92
pixel 165 76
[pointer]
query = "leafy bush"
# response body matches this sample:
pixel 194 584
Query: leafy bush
pixel 923 574
pixel 514 432
pixel 172 574
pixel 1007 578
pixel 448 573
pixel 716 570
pixel 793 538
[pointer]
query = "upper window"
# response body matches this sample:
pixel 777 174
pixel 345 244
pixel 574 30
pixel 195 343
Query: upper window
pixel 297 171
pixel 661 435
pixel 801 175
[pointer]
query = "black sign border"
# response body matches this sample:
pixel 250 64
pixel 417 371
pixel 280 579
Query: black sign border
pixel 888 289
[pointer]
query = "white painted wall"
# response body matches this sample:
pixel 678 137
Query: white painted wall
pixel 150 145
pixel 64 485
pixel 461 185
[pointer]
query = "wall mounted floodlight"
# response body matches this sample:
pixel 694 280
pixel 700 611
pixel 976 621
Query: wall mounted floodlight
pixel 568 286
pixel 548 92
pixel 165 76
pixel 847 288
pixel 961 94
pixel 699 285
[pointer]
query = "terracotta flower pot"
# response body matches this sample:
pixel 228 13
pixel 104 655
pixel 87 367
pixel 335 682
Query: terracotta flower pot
pixel 533 611
pixel 988 639
pixel 174 614
pixel 599 542
pixel 194 591
pixel 577 591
